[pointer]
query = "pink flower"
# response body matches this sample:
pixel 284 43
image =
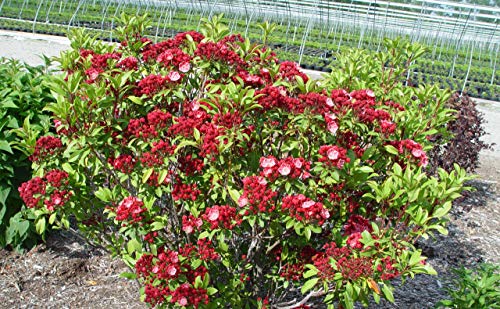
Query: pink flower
pixel 417 153
pixel 353 241
pixel 171 270
pixel 184 67
pixel 308 204
pixel 188 229
pixel 213 214
pixel 332 127
pixel 174 76
pixel 325 213
pixel 284 169
pixel 333 154
pixel 242 201
pixel 183 301
pixel 370 93
pixel 329 102
pixel 195 106
pixel 268 162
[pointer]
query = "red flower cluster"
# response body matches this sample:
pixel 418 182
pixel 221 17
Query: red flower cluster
pixel 356 225
pixel 204 250
pixel 149 126
pixel 349 266
pixel 272 97
pixel 175 58
pixel 210 133
pixel 46 146
pixel 32 191
pixel 130 208
pixel 156 156
pixel 413 149
pixel 152 51
pixel 185 295
pixel 191 223
pixel 221 217
pixel 189 165
pixel 287 167
pixel 228 120
pixel 304 209
pixel 316 102
pixel 184 191
pixel 152 84
pixel 256 195
pixel 353 268
pixel 387 270
pixel 333 156
pixel 124 163
pixel 167 266
pixel 51 189
pixel 220 52
pixel 57 178
pixel 185 125
pixel 129 63
pixel 289 70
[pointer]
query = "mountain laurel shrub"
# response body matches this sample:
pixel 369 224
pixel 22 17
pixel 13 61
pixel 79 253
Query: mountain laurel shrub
pixel 228 179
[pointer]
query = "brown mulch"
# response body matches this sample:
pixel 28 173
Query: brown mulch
pixel 65 273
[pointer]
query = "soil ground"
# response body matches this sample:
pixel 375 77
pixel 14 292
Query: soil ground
pixel 65 272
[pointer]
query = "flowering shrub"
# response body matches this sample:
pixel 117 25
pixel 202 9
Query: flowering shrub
pixel 227 179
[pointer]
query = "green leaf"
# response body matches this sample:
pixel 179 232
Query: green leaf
pixel 40 226
pixel 104 194
pixel 128 275
pixel 52 218
pixel 391 149
pixel 147 174
pixel 211 291
pixel 235 195
pixel 442 211
pixel 4 194
pixel 5 146
pixel 309 285
pixel 310 273
pixel 388 293
pixel 133 245
pixel 68 168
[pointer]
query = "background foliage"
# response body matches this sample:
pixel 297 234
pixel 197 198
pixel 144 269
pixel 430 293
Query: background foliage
pixel 23 95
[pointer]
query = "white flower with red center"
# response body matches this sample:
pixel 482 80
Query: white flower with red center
pixel 213 214
pixel 332 126
pixel 174 76
pixel 333 154
pixel 171 270
pixel 284 169
pixel 195 106
pixel 262 181
pixel 417 153
pixel 188 229
pixel 325 213
pixel 308 204
pixel 184 67
pixel 267 172
pixel 242 201
pixel 268 162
